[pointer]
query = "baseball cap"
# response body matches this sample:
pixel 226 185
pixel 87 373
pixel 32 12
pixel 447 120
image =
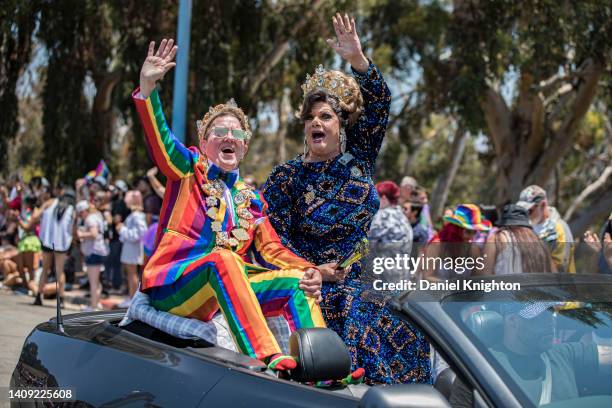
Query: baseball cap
pixel 121 185
pixel 530 196
pixel 409 181
pixel 68 192
pixel 101 181
pixel 82 206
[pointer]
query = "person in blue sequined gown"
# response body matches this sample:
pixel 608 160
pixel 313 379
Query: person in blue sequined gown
pixel 322 202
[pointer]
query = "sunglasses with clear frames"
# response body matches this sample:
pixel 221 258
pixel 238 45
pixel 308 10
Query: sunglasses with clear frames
pixel 237 134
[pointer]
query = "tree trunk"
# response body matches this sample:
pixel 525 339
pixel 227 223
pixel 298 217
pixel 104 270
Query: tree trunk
pixel 252 82
pixel 445 181
pixel 411 156
pixel 561 140
pixel 284 111
pixel 599 208
pixel 527 147
pixel 102 113
pixel 499 122
pixel 590 189
pixel 15 53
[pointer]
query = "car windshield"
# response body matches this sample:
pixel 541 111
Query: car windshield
pixel 551 344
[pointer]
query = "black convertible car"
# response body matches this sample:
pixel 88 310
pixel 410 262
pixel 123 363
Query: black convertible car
pixel 138 366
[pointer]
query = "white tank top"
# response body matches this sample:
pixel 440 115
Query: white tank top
pixel 56 232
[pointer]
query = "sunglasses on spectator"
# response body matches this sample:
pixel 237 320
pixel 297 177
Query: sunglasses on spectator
pixel 237 134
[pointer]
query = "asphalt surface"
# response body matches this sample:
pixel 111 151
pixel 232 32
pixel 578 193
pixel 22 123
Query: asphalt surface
pixel 17 319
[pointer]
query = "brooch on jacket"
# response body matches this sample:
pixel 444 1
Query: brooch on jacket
pixel 216 207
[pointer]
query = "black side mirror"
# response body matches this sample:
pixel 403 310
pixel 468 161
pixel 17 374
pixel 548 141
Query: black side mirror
pixel 404 396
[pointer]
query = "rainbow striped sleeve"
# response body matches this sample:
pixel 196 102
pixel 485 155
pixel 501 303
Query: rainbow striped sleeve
pixel 272 252
pixel 174 160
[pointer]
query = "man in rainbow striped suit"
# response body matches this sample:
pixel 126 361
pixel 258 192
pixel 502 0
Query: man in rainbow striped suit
pixel 213 226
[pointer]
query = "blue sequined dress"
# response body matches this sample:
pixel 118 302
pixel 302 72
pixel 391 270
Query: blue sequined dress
pixel 321 211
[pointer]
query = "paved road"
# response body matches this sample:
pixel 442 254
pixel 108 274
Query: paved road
pixel 17 318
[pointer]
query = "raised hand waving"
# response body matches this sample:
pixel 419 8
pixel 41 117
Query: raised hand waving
pixel 347 43
pixel 156 65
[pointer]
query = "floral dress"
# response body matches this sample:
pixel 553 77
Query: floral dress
pixel 321 211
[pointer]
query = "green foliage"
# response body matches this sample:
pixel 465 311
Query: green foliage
pixel 389 163
pixel 225 59
pixel 17 23
pixel 587 158
pixel 89 41
pixel 134 27
pixel 463 48
pixel 432 160
pixel 25 152
pixel 68 129
pixel 441 54
pixel 460 50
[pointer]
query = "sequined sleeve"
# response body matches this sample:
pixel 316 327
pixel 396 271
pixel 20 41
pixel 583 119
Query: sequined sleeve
pixel 365 137
pixel 271 253
pixel 277 193
pixel 174 160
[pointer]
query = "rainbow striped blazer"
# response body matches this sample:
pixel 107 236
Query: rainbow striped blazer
pixel 184 234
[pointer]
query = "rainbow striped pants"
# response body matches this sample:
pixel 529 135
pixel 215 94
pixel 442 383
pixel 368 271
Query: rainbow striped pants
pixel 245 293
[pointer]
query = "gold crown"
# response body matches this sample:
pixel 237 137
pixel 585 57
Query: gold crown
pixel 215 111
pixel 333 82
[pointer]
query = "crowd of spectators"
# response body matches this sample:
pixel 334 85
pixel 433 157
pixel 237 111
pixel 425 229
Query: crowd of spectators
pixel 90 235
pixel 97 234
pixel 524 237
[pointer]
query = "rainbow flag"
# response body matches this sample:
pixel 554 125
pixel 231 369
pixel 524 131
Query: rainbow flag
pixel 101 170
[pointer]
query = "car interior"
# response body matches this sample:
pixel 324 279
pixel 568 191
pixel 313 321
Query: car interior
pixel 569 327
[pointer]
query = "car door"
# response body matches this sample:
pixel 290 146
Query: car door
pixel 242 389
